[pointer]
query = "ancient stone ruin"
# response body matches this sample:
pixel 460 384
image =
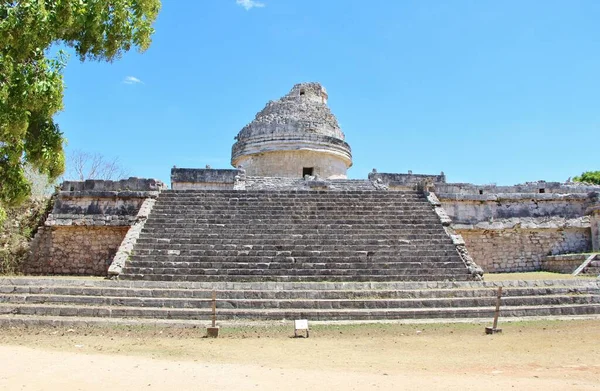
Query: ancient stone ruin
pixel 292 137
pixel 295 156
pixel 285 219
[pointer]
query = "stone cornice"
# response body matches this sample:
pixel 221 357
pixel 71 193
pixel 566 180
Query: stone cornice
pixel 292 142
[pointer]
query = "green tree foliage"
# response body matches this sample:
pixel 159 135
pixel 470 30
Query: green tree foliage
pixel 31 83
pixel 589 177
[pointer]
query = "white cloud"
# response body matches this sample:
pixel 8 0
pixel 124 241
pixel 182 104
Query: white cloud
pixel 249 4
pixel 132 80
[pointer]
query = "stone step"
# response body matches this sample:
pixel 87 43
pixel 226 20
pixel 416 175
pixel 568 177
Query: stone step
pixel 316 203
pixel 396 262
pixel 367 199
pixel 256 270
pixel 285 278
pixel 573 285
pixel 291 313
pixel 272 226
pixel 285 199
pixel 287 264
pixel 592 271
pixel 144 263
pixel 294 257
pixel 412 236
pixel 266 242
pixel 286 193
pixel 237 251
pixel 193 245
pixel 246 253
pixel 358 208
pixel 258 239
pixel 261 304
pixel 120 289
pixel 388 208
pixel 270 269
pixel 286 219
pixel 296 209
pixel 253 243
pixel 305 233
pixel 373 218
pixel 308 205
pixel 155 243
pixel 318 199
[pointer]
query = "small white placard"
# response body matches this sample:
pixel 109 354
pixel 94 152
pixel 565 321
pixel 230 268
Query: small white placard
pixel 301 324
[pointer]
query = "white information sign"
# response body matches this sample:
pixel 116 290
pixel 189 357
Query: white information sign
pixel 301 324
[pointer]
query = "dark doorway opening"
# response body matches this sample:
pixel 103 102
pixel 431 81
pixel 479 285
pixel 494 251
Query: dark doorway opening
pixel 307 171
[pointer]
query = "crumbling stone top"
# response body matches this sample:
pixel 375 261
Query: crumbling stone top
pixel 89 220
pixel 203 175
pixel 130 184
pixel 303 110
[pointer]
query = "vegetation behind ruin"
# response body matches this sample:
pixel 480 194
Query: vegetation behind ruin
pixel 589 177
pixel 17 231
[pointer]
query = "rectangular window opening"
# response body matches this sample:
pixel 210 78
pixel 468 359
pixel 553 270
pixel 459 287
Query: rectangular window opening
pixel 480 191
pixel 307 171
pixel 542 191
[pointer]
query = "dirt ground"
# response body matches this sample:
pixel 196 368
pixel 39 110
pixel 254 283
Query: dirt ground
pixel 545 355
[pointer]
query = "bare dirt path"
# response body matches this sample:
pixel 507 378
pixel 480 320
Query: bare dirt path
pixel 527 356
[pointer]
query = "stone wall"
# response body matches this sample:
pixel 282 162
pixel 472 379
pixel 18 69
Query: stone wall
pixel 563 263
pixel 130 184
pixel 497 210
pixel 515 230
pixel 540 187
pixel 291 163
pixel 405 180
pixel 203 179
pixel 594 214
pixel 74 250
pixel 88 205
pixel 519 250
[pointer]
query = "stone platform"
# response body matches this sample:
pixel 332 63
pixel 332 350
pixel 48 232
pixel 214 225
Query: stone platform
pixel 53 301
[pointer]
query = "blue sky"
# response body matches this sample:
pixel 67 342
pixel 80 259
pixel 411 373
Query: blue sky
pixel 487 91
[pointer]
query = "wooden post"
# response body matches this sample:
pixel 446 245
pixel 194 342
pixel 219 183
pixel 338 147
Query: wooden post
pixel 494 329
pixel 215 308
pixel 213 332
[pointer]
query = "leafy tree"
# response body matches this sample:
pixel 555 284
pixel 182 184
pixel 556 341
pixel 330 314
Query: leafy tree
pixel 589 177
pixel 31 82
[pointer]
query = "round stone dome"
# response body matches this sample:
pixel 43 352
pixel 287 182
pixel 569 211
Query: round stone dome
pixel 294 136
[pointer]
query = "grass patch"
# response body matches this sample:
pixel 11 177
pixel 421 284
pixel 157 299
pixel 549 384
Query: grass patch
pixel 529 276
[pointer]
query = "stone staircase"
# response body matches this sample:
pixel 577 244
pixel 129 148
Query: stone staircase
pixel 294 236
pixel 583 264
pixel 66 302
pixel 593 268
